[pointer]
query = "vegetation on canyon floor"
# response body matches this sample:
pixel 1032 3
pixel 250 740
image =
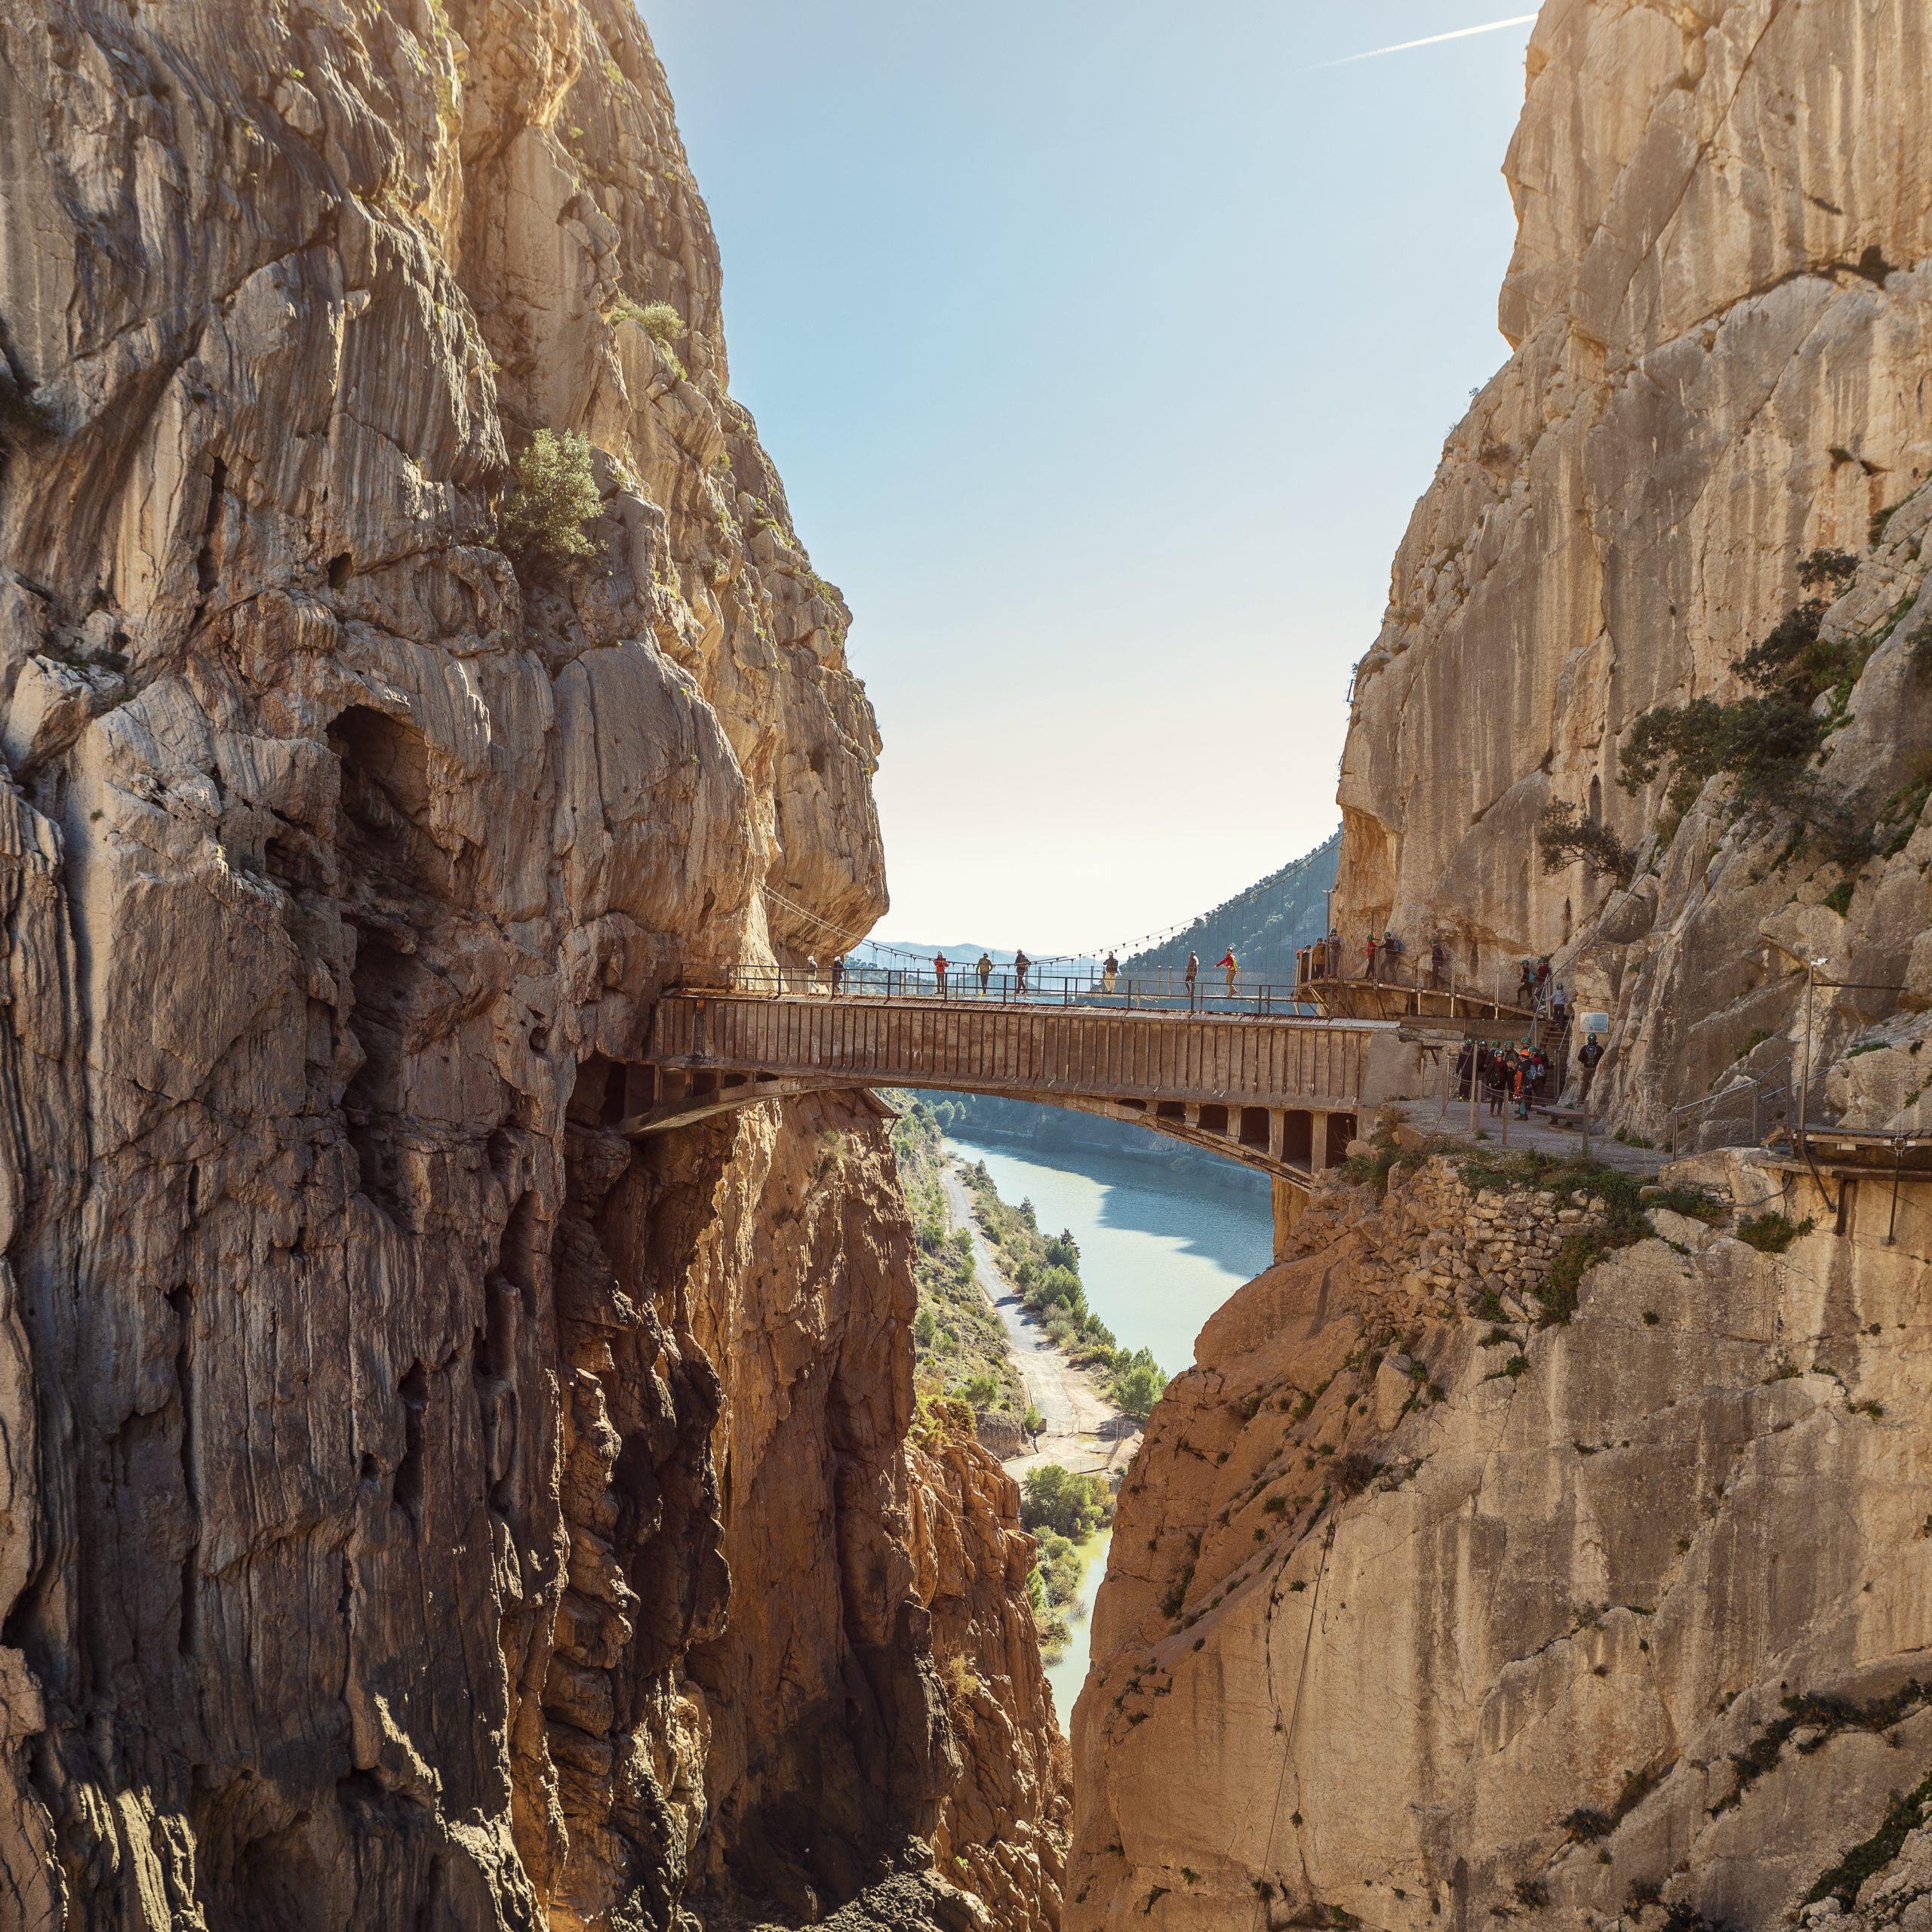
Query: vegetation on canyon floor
pixel 1044 1270
pixel 960 1346
pixel 1064 1510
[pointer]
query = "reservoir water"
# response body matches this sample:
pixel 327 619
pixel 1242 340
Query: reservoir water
pixel 1158 1257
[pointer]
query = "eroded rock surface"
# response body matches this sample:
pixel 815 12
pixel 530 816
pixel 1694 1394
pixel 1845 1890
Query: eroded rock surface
pixel 420 1508
pixel 1418 1616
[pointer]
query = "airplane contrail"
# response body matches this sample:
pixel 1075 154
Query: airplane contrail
pixel 1434 40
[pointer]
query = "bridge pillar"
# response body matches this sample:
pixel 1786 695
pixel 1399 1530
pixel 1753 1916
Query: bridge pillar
pixel 1319 1152
pixel 1289 1202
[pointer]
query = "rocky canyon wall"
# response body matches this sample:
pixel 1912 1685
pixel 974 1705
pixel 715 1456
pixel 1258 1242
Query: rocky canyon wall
pixel 1425 1608
pixel 1518 1549
pixel 1721 316
pixel 422 1508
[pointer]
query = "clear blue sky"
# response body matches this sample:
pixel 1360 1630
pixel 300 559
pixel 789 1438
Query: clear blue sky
pixel 1104 350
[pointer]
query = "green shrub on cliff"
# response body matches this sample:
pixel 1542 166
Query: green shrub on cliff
pixel 1766 743
pixel 1566 834
pixel 554 495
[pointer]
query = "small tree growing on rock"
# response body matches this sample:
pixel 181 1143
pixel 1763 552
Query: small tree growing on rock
pixel 554 496
pixel 661 322
pixel 1565 834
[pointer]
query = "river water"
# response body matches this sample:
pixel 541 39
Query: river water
pixel 1157 1259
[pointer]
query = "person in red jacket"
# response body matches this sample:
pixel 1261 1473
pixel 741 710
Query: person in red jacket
pixel 1227 964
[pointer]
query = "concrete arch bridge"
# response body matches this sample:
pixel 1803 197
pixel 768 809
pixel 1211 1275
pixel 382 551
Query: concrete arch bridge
pixel 1280 1091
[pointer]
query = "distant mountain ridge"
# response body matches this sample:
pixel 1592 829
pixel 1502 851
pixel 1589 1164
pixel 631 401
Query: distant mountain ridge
pixel 1266 924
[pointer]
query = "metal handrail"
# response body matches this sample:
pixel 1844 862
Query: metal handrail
pixel 1759 1094
pixel 1416 972
pixel 1164 990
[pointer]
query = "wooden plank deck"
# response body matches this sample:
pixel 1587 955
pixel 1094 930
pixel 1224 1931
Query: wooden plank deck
pixel 1022 1051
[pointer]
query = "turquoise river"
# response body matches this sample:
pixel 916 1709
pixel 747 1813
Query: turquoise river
pixel 1158 1254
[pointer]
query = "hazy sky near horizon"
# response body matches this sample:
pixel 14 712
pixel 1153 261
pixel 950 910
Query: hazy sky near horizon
pixel 1104 350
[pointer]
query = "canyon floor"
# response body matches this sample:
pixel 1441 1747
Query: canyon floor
pixel 1084 1430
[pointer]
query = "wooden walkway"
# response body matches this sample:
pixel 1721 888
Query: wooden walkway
pixel 1028 1052
pixel 1283 1094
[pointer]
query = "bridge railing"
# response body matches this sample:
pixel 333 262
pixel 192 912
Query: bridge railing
pixel 1164 990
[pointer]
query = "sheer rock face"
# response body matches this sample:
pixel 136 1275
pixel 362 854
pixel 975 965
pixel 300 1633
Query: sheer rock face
pixel 1747 952
pixel 1422 1618
pixel 1721 313
pixel 416 1507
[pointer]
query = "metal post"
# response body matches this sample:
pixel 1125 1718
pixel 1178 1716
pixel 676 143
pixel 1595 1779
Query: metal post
pixel 1804 1084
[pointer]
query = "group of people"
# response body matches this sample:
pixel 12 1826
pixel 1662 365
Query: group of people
pixel 982 970
pixel 1518 1076
pixel 1382 953
pixel 1506 1076
pixel 1534 988
pixel 1381 959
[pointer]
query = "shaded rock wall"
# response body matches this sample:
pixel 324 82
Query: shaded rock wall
pixel 420 1509
pixel 1421 1618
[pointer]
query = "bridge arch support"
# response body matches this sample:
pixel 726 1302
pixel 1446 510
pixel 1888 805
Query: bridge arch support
pixel 1281 1096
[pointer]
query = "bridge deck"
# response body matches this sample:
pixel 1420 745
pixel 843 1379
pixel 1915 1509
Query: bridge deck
pixel 1281 1063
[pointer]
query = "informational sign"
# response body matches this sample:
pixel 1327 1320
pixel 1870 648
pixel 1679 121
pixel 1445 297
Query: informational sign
pixel 1598 1023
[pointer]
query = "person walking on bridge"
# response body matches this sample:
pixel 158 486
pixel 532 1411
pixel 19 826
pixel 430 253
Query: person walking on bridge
pixel 1374 944
pixel 1193 973
pixel 985 970
pixel 1230 966
pixel 837 973
pixel 1109 972
pixel 940 963
pixel 1020 963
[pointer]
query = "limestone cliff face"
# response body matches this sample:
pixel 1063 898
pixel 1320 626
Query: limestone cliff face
pixel 421 1508
pixel 1417 1617
pixel 1722 321
pixel 1706 963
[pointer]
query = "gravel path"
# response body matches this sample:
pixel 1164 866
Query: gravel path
pixel 1081 1423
